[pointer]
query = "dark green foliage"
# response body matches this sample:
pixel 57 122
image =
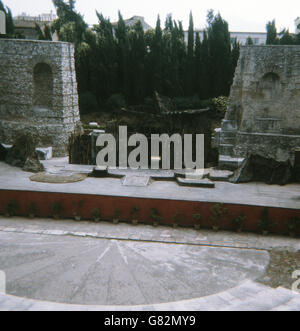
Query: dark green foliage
pixel 88 103
pixel 33 209
pixel 272 33
pixel 116 102
pixel 249 41
pixel 265 223
pixel 220 56
pixel 219 212
pixel 44 32
pixel 155 216
pixel 239 221
pixel 118 65
pixel 12 208
pixel 293 224
pixel 96 215
pixel 56 208
pixel 286 38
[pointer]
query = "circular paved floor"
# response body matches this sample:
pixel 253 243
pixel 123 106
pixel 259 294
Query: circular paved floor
pixel 91 271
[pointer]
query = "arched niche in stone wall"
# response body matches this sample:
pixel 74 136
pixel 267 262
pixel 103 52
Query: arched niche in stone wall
pixel 270 85
pixel 43 86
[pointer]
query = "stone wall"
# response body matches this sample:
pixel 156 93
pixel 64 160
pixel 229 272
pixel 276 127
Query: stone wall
pixel 38 92
pixel 263 115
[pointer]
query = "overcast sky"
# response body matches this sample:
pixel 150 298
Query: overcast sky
pixel 250 15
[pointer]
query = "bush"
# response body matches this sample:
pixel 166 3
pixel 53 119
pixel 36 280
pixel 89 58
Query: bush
pixel 116 102
pixel 88 103
pixel 192 103
pixel 220 106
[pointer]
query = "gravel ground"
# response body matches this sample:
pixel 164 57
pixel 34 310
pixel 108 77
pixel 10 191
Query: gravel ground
pixel 280 270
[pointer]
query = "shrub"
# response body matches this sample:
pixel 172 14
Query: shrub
pixel 177 219
pixel 56 208
pixel 77 207
pixel 265 223
pixel 218 212
pixel 12 208
pixel 293 224
pixel 155 215
pixel 135 211
pixel 33 209
pixel 96 214
pixel 88 103
pixel 239 221
pixel 219 106
pixel 116 102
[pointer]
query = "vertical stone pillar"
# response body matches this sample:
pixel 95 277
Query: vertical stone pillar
pixel 38 92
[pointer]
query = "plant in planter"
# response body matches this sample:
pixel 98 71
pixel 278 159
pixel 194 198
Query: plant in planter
pixel 155 216
pixel 134 214
pixel 265 223
pixel 96 215
pixel 293 226
pixel 12 208
pixel 197 218
pixel 177 220
pixel 117 216
pixel 32 210
pixel 56 210
pixel 77 210
pixel 238 222
pixel 218 213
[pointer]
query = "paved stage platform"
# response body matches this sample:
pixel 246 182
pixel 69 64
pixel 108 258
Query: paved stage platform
pixel 256 194
pixel 148 190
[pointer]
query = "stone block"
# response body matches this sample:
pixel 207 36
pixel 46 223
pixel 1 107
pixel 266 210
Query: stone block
pixel 202 183
pixel 44 153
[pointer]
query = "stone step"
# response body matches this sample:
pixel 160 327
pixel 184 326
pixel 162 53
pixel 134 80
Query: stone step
pixel 227 141
pixel 226 149
pixel 228 125
pixel 227 138
pixel 204 183
pixel 229 163
pixel 248 296
pixel 216 175
pixel 291 305
pixel 267 299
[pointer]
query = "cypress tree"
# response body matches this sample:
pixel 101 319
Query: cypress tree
pixel 286 38
pixel 198 65
pixel 271 33
pixel 121 33
pixel 220 56
pixel 190 72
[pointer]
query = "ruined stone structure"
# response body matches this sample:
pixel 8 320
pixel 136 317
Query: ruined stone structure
pixel 38 92
pixel 263 115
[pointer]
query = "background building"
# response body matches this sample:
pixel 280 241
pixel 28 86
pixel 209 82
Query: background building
pixel 25 24
pixel 259 38
pixel 133 20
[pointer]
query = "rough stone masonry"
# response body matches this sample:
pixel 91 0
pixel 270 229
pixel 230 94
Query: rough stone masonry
pixel 38 92
pixel 263 116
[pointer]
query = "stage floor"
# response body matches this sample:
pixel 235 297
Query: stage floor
pixel 252 194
